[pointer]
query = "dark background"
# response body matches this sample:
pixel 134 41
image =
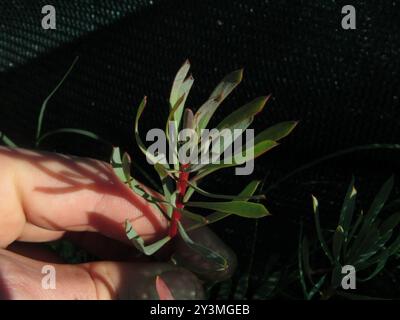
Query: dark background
pixel 342 85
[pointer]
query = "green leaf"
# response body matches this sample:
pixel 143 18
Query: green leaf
pixel 240 208
pixel 337 242
pixel 377 204
pixel 277 131
pixel 306 258
pixel 258 150
pixel 85 133
pixel 184 92
pixel 138 242
pixel 300 261
pixel 319 230
pixel 224 88
pixel 220 261
pixel 354 230
pixel 348 207
pixel 316 288
pixel 46 101
pixel 381 259
pixel 249 110
pixel 7 141
pixel 376 207
pixel 222 196
pixel 178 82
pixel 116 163
pixel 248 191
pixel 126 168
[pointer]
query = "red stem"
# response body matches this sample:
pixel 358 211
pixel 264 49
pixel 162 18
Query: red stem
pixel 181 186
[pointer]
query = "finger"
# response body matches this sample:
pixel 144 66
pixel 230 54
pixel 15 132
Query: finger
pixel 50 193
pixel 22 278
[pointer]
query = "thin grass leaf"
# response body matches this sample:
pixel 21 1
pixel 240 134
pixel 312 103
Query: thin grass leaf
pixel 319 230
pixel 377 204
pixel 306 258
pixel 81 132
pixel 46 101
pixel 300 263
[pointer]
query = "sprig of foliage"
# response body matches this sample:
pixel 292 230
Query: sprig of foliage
pixel 180 180
pixel 365 242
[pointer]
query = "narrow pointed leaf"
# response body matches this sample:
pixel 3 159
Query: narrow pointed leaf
pixel 277 131
pixel 224 88
pixel 178 81
pixel 46 101
pixel 138 242
pixel 319 230
pixel 249 110
pixel 220 262
pixel 240 208
pixel 7 141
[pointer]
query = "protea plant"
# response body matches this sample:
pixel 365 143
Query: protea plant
pixel 181 178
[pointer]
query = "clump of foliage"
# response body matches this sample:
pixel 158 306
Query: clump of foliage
pixel 365 242
pixel 180 181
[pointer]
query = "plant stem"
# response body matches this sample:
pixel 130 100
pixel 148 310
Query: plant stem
pixel 181 186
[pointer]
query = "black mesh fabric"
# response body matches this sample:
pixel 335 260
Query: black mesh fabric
pixel 343 86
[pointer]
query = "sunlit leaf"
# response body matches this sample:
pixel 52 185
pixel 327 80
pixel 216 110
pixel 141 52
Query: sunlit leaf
pixel 46 101
pixel 240 208
pixel 224 88
pixel 277 131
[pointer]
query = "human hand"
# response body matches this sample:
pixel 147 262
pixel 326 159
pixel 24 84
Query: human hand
pixel 44 197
